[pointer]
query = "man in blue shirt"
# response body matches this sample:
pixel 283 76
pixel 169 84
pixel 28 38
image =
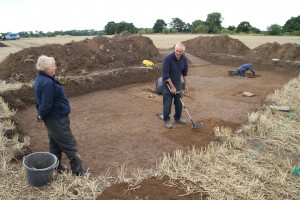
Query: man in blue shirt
pixel 241 71
pixel 53 109
pixel 175 66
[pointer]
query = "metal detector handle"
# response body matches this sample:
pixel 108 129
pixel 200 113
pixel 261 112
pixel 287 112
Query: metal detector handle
pixel 176 94
pixel 170 89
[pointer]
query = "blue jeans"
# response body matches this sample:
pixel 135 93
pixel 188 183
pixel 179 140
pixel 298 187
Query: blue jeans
pixel 167 104
pixel 240 73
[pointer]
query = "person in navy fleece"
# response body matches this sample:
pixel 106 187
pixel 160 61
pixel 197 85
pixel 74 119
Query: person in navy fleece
pixel 175 67
pixel 53 109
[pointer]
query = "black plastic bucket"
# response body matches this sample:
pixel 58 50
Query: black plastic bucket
pixel 231 73
pixel 39 167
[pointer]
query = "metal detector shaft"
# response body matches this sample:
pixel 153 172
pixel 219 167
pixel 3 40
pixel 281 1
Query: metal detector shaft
pixel 183 105
pixel 170 89
pixel 186 111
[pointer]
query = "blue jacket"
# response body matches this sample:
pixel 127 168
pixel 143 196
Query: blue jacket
pixel 245 67
pixel 51 101
pixel 173 69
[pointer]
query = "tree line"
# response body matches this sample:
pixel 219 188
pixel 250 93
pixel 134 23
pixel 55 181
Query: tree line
pixel 212 25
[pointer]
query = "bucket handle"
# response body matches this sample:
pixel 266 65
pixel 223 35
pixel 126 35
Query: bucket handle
pixel 56 164
pixel 51 167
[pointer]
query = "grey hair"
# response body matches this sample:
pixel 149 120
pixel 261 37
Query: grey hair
pixel 180 45
pixel 43 62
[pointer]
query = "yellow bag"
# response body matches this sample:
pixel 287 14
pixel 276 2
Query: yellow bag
pixel 148 63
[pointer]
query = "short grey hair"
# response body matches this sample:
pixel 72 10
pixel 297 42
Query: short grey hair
pixel 43 62
pixel 180 45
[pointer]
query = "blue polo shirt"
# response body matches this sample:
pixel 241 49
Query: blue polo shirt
pixel 173 69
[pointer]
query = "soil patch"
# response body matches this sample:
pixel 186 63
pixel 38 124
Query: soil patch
pixel 81 59
pixel 225 50
pixel 151 189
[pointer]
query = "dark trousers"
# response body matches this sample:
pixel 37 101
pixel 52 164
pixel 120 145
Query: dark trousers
pixel 61 140
pixel 167 104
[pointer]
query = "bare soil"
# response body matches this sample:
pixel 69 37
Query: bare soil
pixel 114 113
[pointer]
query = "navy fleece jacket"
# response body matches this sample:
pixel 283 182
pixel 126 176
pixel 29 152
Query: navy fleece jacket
pixel 51 101
pixel 173 69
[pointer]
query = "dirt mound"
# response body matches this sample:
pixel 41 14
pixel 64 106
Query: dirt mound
pixel 229 51
pixel 275 50
pixel 82 58
pixel 2 45
pixel 85 66
pixel 218 44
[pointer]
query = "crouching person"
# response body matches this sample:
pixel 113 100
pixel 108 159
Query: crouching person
pixel 241 71
pixel 53 109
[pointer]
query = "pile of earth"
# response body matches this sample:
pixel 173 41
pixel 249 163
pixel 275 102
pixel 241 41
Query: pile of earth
pixel 229 51
pixel 2 45
pixel 85 66
pixel 82 58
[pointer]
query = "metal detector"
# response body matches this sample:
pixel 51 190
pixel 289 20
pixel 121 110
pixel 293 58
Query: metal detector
pixel 194 125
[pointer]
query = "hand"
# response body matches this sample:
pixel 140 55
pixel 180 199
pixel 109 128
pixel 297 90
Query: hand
pixel 186 88
pixel 173 90
pixel 38 119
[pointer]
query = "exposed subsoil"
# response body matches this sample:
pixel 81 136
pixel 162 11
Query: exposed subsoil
pixel 114 112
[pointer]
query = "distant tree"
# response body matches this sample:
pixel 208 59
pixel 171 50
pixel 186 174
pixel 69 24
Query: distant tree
pixel 130 28
pixel 188 28
pixel 50 34
pixel 196 24
pixel 141 31
pixel 255 30
pixel 231 28
pixel 145 30
pixel 159 26
pixel 202 28
pixel 113 28
pixel 178 24
pixel 23 34
pixel 174 30
pixel 244 27
pixel 121 27
pixel 292 25
pixel 214 21
pixel 227 31
pixel 274 29
pixel 58 33
pixel 41 34
pixel 149 30
pixel 165 31
pixel 110 28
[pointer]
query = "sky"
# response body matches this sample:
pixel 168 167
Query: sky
pixel 64 15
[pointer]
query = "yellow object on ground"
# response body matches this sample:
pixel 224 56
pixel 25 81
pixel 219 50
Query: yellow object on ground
pixel 148 63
